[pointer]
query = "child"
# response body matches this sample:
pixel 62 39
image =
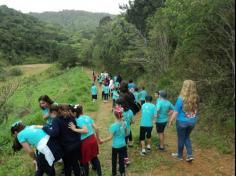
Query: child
pixel 45 103
pixel 118 132
pixel 164 107
pixel 48 149
pixel 94 92
pixel 106 92
pixel 69 140
pixel 148 114
pixel 89 137
pixel 142 95
pixel 115 96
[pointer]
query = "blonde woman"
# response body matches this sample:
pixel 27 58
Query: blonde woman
pixel 186 110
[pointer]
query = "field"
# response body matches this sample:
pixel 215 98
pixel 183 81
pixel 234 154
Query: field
pixel 72 86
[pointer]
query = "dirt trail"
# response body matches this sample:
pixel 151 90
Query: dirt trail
pixel 207 162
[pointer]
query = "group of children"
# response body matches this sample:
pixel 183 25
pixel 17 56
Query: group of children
pixel 74 137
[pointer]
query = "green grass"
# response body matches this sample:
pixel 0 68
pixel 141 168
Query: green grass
pixel 72 86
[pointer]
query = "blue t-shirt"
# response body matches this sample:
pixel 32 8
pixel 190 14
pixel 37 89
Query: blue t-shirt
pixel 128 117
pixel 149 112
pixel 136 96
pixel 31 135
pixel 49 119
pixel 157 101
pixel 94 90
pixel 142 95
pixel 87 121
pixel 163 108
pixel 118 130
pixel 183 116
pixel 115 95
pixel 106 89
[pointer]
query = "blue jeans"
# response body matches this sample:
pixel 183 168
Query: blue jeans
pixel 183 131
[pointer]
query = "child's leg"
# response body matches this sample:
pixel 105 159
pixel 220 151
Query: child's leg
pixel 96 163
pixel 122 160
pixel 86 168
pixel 43 167
pixel 149 135
pixel 130 138
pixel 114 161
pixel 142 138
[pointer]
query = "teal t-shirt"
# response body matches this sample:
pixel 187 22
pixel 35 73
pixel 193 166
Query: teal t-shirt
pixel 49 119
pixel 163 108
pixel 31 135
pixel 94 90
pixel 149 112
pixel 128 117
pixel 106 89
pixel 87 121
pixel 118 130
pixel 136 96
pixel 143 95
pixel 117 84
pixel 115 95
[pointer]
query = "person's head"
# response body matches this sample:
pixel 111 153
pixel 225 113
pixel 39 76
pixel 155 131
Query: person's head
pixel 77 110
pixel 64 110
pixel 15 129
pixel 130 81
pixel 143 88
pixel 121 102
pixel 136 89
pixel 93 84
pixel 45 101
pixel 118 112
pixel 54 111
pixel 157 94
pixel 124 87
pixel 163 94
pixel 148 98
pixel 190 96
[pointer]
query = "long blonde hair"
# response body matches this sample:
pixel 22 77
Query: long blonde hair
pixel 190 96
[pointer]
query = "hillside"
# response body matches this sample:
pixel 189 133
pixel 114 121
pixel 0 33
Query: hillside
pixel 72 20
pixel 24 38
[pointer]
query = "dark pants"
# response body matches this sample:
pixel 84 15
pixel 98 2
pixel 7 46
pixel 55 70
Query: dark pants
pixel 183 131
pixel 96 166
pixel 120 152
pixel 71 160
pixel 43 166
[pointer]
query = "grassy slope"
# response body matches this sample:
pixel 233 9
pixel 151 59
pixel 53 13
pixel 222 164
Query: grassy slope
pixel 70 86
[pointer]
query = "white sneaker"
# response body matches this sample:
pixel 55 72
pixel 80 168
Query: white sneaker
pixel 176 156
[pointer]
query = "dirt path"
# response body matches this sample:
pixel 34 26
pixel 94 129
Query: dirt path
pixel 206 163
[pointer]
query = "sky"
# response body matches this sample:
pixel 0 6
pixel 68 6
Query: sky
pixel 26 6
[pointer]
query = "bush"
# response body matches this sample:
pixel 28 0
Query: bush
pixel 15 72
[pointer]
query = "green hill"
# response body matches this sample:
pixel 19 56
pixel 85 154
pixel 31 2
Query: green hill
pixel 72 20
pixel 24 38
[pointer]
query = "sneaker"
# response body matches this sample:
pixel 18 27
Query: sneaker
pixel 148 148
pixel 189 159
pixel 142 153
pixel 175 155
pixel 160 148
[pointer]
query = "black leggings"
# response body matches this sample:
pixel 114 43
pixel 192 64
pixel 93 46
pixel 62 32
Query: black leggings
pixel 71 161
pixel 96 165
pixel 43 166
pixel 120 152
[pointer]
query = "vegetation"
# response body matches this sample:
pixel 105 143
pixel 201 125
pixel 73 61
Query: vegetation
pixel 166 42
pixel 72 20
pixel 72 86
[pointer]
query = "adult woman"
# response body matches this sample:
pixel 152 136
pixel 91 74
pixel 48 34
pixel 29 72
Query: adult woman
pixel 186 110
pixel 48 149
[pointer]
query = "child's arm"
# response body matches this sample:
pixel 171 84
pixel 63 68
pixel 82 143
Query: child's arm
pixel 83 130
pixel 96 129
pixel 28 150
pixel 109 138
pixel 173 117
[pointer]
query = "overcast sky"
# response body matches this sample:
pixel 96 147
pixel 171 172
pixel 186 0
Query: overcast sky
pixel 25 6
